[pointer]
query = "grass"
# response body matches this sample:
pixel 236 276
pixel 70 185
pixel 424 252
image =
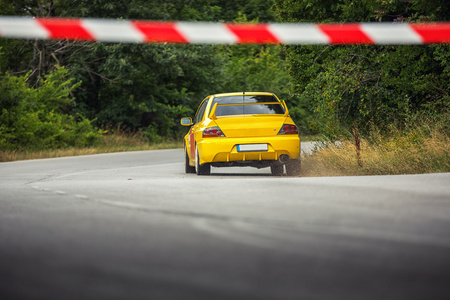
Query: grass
pixel 118 141
pixel 426 149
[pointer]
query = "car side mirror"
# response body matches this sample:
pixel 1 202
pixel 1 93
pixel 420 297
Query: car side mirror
pixel 186 121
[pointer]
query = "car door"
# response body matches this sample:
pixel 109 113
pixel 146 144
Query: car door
pixel 197 120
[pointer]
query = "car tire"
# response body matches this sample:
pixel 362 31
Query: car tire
pixel 277 169
pixel 204 169
pixel 293 167
pixel 187 168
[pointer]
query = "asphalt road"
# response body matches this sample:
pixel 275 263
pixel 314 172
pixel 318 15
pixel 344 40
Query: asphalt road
pixel 134 226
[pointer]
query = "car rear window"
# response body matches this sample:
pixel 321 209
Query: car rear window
pixel 244 99
pixel 252 109
pixel 248 105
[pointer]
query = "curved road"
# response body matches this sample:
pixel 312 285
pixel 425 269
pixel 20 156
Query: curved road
pixel 134 226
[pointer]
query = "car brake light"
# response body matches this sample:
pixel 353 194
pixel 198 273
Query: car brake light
pixel 288 129
pixel 213 132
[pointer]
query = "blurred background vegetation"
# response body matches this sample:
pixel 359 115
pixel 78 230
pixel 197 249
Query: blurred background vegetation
pixel 60 94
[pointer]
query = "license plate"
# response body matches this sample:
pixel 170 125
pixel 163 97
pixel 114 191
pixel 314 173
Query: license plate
pixel 252 147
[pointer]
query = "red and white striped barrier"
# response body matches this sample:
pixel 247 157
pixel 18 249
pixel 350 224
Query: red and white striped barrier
pixel 107 30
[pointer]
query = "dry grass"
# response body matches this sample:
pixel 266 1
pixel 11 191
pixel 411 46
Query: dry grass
pixel 423 150
pixel 115 142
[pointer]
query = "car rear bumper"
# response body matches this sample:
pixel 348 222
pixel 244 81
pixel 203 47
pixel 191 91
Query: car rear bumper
pixel 225 149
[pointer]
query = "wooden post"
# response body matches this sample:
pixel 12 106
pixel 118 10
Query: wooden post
pixel 357 144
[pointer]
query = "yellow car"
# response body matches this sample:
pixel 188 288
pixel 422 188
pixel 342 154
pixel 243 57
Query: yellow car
pixel 242 129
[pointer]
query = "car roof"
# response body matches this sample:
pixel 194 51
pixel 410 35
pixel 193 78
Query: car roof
pixel 241 93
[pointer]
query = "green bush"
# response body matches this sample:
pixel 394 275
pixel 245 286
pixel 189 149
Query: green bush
pixel 39 117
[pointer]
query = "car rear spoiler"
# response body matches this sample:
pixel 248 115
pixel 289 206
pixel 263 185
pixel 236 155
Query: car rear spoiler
pixel 286 114
pixel 212 114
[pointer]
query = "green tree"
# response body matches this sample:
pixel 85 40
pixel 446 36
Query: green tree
pixel 146 87
pixel 381 85
pixel 256 68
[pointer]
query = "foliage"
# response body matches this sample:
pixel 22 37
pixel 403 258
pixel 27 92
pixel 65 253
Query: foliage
pixel 144 87
pixel 255 68
pixel 382 85
pixel 39 118
pixel 147 88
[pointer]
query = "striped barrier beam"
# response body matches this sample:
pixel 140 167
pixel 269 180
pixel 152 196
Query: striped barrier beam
pixel 128 31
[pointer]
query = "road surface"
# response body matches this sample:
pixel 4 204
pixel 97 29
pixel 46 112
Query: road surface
pixel 134 226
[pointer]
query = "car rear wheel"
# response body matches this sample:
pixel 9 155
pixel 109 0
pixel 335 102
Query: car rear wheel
pixel 277 169
pixel 187 167
pixel 204 169
pixel 293 167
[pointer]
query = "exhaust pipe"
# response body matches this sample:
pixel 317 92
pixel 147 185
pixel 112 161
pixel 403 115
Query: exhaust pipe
pixel 284 158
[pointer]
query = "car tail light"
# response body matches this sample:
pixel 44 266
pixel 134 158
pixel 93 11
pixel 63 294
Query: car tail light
pixel 288 129
pixel 213 132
